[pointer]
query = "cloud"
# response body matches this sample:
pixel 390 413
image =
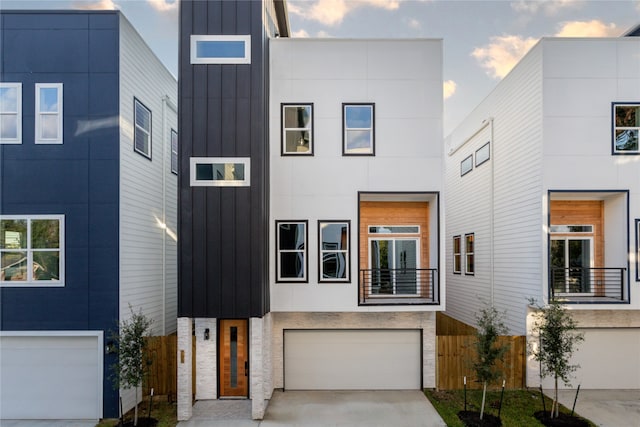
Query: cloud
pixel 95 5
pixel 592 28
pixel 332 12
pixel 502 53
pixel 163 5
pixel 449 88
pixel 300 34
pixel 548 7
pixel 414 23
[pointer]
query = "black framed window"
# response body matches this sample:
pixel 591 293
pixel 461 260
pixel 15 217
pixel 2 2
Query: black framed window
pixel 291 247
pixel 142 131
pixel 626 128
pixel 297 129
pixel 637 250
pixel 469 254
pixel 483 154
pixel 466 165
pixel 457 254
pixel 174 152
pixel 358 129
pixel 334 256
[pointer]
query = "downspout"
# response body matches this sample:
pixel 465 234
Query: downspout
pixel 492 208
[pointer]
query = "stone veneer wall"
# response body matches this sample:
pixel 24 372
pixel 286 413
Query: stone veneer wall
pixel 206 359
pixel 185 396
pixel 369 320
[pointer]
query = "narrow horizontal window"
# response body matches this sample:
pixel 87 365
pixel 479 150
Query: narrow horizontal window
pixel 571 228
pixel 220 171
pixel 466 166
pixel 48 113
pixel 626 128
pixel 219 49
pixel 10 113
pixel 394 229
pixel 483 154
pixel 358 126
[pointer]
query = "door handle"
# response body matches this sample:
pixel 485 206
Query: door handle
pixel 246 368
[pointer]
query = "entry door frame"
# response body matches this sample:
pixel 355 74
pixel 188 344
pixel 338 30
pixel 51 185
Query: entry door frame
pixel 226 388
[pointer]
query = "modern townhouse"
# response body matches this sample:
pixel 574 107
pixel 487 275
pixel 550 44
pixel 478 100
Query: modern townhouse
pixel 311 179
pixel 543 201
pixel 88 219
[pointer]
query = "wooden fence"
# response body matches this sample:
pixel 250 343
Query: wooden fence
pixel 163 353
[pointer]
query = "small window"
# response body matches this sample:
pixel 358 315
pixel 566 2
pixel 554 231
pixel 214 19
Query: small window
pixel 142 136
pixel 637 250
pixel 626 127
pixel 483 154
pixel 297 129
pixel 394 229
pixel 32 250
pixel 174 152
pixel 333 238
pixel 469 243
pixel 220 171
pixel 358 136
pixel 466 166
pixel 218 49
pixel 457 255
pixel 48 113
pixel 10 113
pixel 571 228
pixel 291 245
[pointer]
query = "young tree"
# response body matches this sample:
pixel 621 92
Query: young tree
pixel 558 339
pixel 488 350
pixel 132 367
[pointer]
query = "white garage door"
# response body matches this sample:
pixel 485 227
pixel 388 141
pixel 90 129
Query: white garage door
pixel 352 359
pixel 51 376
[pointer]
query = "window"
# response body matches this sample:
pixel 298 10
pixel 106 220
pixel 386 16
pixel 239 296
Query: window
pixel 626 126
pixel 469 243
pixel 48 113
pixel 297 129
pixel 291 245
pixel 637 250
pixel 142 136
pixel 333 237
pixel 457 255
pixel 10 113
pixel 174 151
pixel 466 165
pixel 358 130
pixel 218 49
pixel 220 171
pixel 571 258
pixel 32 250
pixel 483 154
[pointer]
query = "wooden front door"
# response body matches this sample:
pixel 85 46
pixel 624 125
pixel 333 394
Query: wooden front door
pixel 234 358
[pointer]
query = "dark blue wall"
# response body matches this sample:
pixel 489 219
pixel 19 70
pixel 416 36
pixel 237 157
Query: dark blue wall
pixel 78 178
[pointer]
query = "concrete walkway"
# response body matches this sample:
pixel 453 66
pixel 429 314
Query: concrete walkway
pixel 605 408
pixel 403 408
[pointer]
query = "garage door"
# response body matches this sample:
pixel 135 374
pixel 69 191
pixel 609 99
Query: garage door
pixel 51 376
pixel 352 359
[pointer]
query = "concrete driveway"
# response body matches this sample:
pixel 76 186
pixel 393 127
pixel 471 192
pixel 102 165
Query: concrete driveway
pixel 404 408
pixel 605 408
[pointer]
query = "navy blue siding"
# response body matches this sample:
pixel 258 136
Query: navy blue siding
pixel 78 178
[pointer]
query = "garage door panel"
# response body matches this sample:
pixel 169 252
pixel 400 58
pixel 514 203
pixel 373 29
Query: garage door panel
pixel 352 359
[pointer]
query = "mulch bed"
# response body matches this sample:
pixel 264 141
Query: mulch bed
pixel 472 419
pixel 563 420
pixel 142 422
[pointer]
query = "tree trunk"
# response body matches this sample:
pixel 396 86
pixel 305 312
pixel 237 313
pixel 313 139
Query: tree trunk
pixel 484 395
pixel 555 405
pixel 135 411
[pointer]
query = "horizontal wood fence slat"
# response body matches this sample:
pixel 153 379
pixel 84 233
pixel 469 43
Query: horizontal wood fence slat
pixel 456 354
pixel 163 372
pixel 447 325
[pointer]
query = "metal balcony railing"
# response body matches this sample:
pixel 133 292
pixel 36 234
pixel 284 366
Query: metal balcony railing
pixel 398 286
pixel 588 284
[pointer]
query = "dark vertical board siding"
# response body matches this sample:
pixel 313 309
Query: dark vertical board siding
pixel 224 236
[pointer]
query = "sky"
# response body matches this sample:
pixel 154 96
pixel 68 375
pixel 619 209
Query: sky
pixel 482 39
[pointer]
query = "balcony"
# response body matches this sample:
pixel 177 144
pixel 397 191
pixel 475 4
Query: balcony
pixel 403 286
pixel 588 285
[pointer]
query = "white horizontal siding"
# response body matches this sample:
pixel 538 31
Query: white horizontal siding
pixel 148 192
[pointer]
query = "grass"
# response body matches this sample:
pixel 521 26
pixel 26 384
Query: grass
pixel 161 409
pixel 518 406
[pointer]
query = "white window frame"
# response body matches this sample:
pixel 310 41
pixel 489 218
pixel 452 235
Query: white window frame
pixel 174 151
pixel 395 238
pixel 322 252
pixel 30 282
pixel 196 38
pixel 17 113
pixel 345 129
pixel 457 255
pixel 39 139
pixel 194 161
pixel 285 129
pixel 304 252
pixel 467 270
pixel 566 236
pixel 615 127
pixel 148 132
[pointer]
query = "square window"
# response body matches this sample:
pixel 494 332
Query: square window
pixel 358 130
pixel 48 113
pixel 174 152
pixel 291 247
pixel 142 135
pixel 10 113
pixel 457 255
pixel 470 267
pixel 626 128
pixel 334 259
pixel 32 250
pixel 220 171
pixel 220 49
pixel 297 129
